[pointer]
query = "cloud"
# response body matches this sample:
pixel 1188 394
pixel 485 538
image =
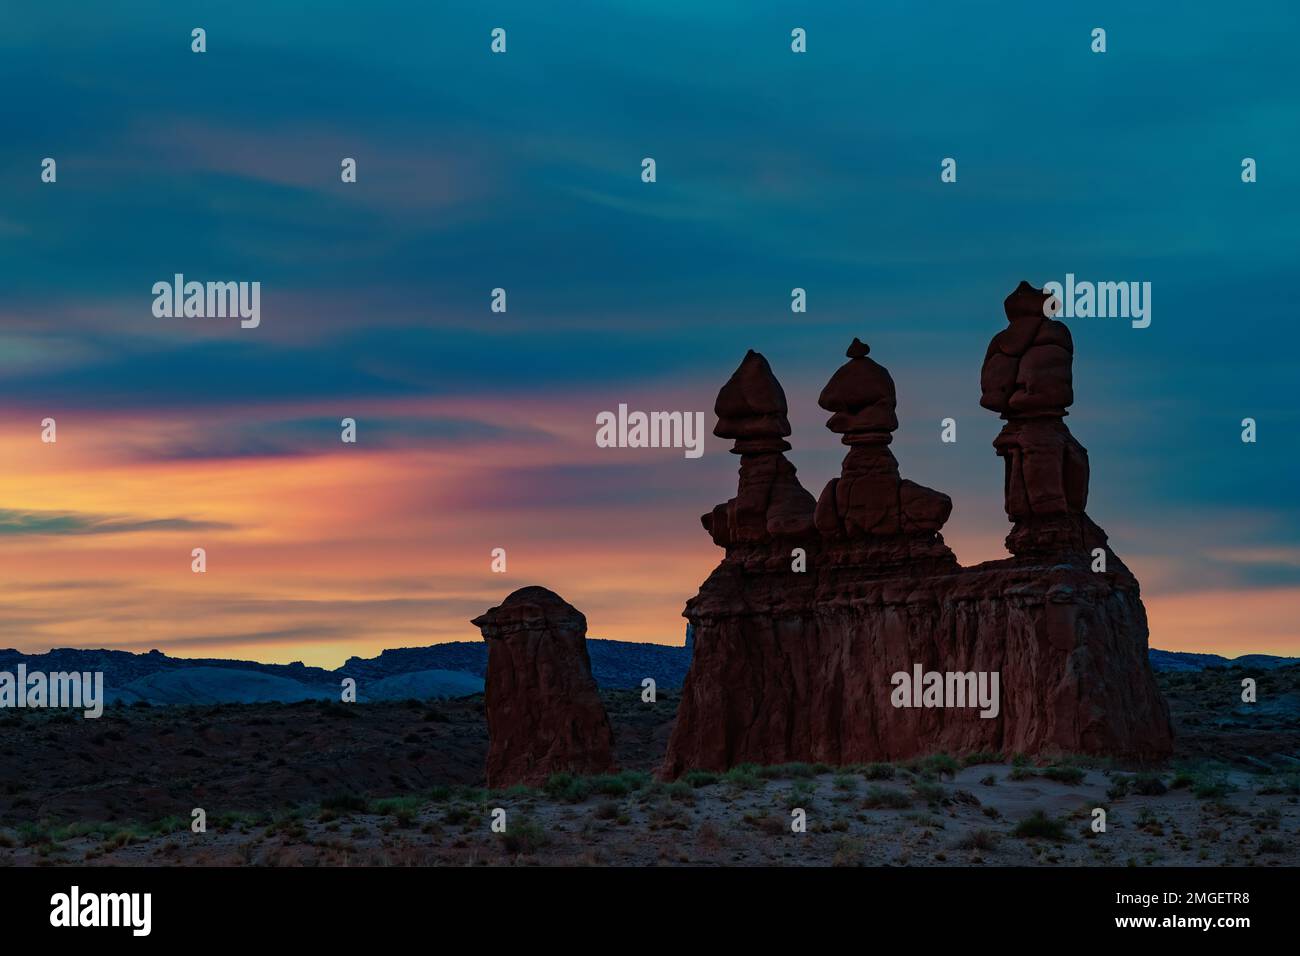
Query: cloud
pixel 320 434
pixel 15 523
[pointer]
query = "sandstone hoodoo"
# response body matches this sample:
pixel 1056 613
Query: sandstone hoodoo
pixel 870 505
pixel 805 665
pixel 770 505
pixel 544 712
pixel 1027 378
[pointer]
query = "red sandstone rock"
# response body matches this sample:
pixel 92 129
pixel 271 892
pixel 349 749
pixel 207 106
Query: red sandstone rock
pixel 792 666
pixel 770 504
pixel 870 498
pixel 544 712
pixel 1028 378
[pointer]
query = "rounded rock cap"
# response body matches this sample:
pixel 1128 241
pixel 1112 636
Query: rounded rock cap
pixel 1025 302
pixel 530 608
pixel 857 383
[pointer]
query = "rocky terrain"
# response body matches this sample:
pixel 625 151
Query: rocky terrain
pixel 397 783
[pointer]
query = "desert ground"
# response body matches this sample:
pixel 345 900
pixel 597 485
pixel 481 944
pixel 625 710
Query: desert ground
pixel 401 783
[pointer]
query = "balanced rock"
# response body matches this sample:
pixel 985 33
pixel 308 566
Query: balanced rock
pixel 544 712
pixel 894 518
pixel 1027 377
pixel 770 506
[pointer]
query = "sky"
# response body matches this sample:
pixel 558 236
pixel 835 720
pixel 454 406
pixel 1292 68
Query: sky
pixel 522 171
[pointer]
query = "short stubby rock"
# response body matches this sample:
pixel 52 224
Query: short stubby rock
pixel 544 712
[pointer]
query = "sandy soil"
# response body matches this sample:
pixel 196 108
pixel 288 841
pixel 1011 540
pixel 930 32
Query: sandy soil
pixel 401 784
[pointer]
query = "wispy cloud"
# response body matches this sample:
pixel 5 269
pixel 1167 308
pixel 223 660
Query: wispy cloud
pixel 15 523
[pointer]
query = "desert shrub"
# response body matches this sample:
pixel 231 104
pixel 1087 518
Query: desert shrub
pixel 879 771
pixel 845 782
pixel 979 840
pixel 457 815
pixel 940 765
pixel 700 778
pixel 848 852
pixel 610 785
pixel 1148 785
pixel 889 798
pixel 679 791
pixel 402 809
pixel 1212 787
pixel 1287 784
pixel 345 803
pixel 1062 774
pixel 1041 825
pixel 524 836
pixel 636 779
pixel 800 794
pixel 744 777
pixel 567 787
pixel 785 771
pixel 983 756
pixel 930 792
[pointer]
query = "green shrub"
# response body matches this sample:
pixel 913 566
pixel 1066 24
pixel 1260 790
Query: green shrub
pixel 1212 788
pixel 744 777
pixel 889 798
pixel 940 765
pixel 1149 785
pixel 567 787
pixel 1042 826
pixel 700 778
pixel 979 840
pixel 785 771
pixel 1070 775
pixel 345 803
pixel 931 793
pixel 845 782
pixel 524 836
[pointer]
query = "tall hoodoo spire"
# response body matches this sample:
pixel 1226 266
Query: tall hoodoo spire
pixel 1027 378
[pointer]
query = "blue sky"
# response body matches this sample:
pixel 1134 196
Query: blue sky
pixel 775 170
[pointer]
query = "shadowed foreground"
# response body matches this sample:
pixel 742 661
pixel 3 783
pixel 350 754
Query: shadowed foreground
pixel 402 783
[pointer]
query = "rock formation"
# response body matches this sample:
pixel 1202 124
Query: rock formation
pixel 544 713
pixel 870 513
pixel 770 504
pixel 1027 378
pixel 802 665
